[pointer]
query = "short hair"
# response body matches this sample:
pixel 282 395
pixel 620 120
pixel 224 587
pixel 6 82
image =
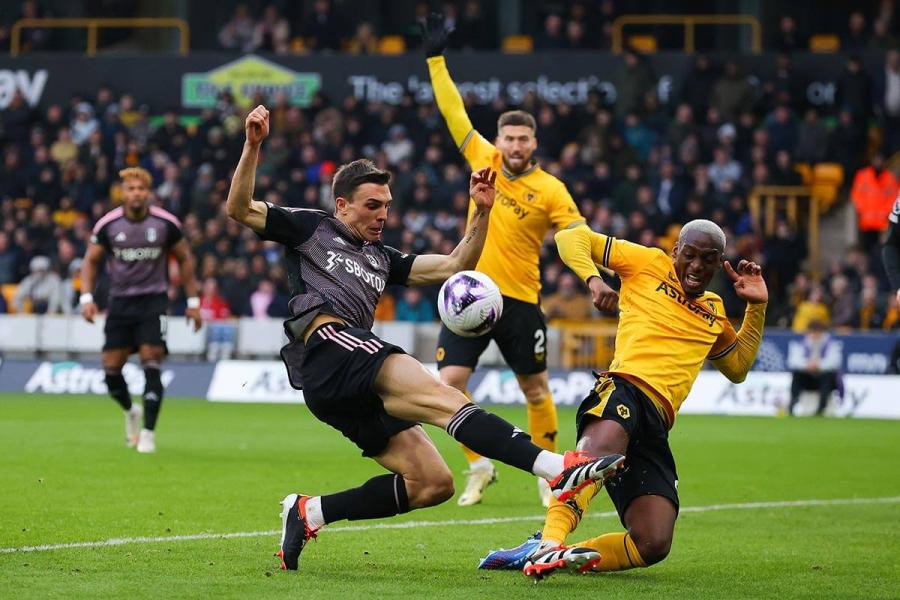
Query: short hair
pixel 706 227
pixel 352 175
pixel 137 173
pixel 517 117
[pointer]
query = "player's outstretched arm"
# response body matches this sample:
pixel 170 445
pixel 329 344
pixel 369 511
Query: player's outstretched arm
pixel 186 264
pixel 750 286
pixel 576 246
pixel 436 268
pixel 240 205
pixel 449 102
pixel 89 267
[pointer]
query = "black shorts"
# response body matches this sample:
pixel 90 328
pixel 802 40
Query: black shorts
pixel 134 321
pixel 521 335
pixel 649 464
pixel 338 375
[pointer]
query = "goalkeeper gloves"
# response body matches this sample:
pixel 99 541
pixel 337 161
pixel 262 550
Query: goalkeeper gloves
pixel 435 35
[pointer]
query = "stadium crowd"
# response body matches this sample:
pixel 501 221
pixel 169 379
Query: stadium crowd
pixel 636 170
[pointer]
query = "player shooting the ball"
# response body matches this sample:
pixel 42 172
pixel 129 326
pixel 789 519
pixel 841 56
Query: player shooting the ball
pixel 369 389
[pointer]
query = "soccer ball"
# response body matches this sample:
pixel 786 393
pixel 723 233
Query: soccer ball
pixel 470 303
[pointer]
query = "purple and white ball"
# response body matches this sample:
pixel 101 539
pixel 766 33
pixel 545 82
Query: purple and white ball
pixel 470 303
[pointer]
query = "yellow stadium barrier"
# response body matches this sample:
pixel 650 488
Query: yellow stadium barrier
pixel 766 200
pixel 94 25
pixel 689 22
pixel 586 344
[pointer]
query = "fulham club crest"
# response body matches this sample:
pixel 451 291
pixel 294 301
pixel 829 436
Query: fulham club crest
pixel 151 235
pixel 372 261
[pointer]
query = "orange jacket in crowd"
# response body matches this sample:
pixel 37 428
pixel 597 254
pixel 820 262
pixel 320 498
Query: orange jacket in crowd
pixel 873 196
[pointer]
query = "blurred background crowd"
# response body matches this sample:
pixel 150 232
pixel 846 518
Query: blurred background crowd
pixel 637 168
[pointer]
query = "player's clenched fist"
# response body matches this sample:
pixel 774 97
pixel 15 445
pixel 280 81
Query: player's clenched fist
pixel 257 125
pixel 604 297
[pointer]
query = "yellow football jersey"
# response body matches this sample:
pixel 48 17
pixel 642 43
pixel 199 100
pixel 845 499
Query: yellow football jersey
pixel 525 208
pixel 663 336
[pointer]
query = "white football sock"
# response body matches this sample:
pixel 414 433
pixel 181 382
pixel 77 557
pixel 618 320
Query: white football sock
pixel 314 517
pixel 481 464
pixel 548 464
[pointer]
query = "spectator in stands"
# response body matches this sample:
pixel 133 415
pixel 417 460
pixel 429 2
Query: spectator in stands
pixel 323 28
pixel 873 193
pixel 413 307
pixel 782 129
pixel 813 308
pixel 882 39
pixel 812 139
pixel 698 83
pixel 857 37
pixel 70 288
pixel 815 363
pixel 15 119
pixel 872 309
pixel 551 38
pixel 568 301
pixel 84 124
pixel 213 307
pixel 10 258
pixel 888 99
pixel 272 33
pixel 365 41
pixel 40 289
pixel 844 311
pixel 724 169
pixel 732 93
pixel 237 33
pixel 787 38
pixel 214 310
pixel 854 91
pixel 473 31
pixel 783 172
pixel 262 298
pixel 670 192
pixel 634 82
pixel 846 142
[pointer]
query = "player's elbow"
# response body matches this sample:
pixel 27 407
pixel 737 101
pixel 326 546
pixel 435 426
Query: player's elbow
pixel 736 376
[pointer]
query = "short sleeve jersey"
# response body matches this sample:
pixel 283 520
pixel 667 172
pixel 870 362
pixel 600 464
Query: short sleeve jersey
pixel 137 251
pixel 329 269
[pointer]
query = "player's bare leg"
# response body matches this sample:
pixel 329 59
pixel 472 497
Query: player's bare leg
pixel 113 360
pixel 409 391
pixel 543 424
pixel 481 472
pixel 151 360
pixel 420 479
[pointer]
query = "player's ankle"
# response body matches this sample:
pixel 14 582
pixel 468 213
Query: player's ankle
pixel 481 464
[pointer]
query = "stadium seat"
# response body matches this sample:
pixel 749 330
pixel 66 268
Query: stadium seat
pixel 518 44
pixel 298 45
pixel 391 44
pixel 9 291
pixel 805 172
pixel 824 42
pixel 645 44
pixel 827 179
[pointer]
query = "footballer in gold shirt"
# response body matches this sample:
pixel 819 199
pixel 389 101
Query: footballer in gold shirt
pixel 669 324
pixel 529 203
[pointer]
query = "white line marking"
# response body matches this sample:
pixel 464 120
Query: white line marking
pixel 447 523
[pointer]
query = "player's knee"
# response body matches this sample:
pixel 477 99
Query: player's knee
pixel 535 391
pixel 457 382
pixel 653 547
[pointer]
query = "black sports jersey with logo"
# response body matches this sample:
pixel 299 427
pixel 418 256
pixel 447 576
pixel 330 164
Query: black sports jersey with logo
pixel 330 270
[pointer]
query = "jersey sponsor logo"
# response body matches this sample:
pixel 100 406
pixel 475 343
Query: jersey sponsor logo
pixel 354 268
pixel 676 295
pixel 151 235
pixel 120 237
pixel 520 211
pixel 136 254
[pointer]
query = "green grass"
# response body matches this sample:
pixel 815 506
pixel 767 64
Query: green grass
pixel 65 477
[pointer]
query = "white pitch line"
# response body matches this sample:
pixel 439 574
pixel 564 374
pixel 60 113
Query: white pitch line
pixel 447 523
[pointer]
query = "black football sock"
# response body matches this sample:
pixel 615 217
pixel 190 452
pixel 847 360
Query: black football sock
pixel 118 389
pixel 153 395
pixel 379 497
pixel 491 436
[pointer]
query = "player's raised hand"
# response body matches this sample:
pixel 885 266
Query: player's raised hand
pixel 748 282
pixel 604 297
pixel 435 34
pixel 481 187
pixel 257 125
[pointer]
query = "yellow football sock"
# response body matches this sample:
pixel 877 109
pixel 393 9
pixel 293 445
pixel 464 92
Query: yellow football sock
pixel 542 423
pixel 617 552
pixel 562 518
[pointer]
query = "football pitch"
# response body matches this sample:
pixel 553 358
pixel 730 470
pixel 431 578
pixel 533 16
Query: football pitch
pixel 771 508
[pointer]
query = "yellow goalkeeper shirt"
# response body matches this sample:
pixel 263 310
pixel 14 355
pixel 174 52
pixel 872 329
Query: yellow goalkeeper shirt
pixel 526 206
